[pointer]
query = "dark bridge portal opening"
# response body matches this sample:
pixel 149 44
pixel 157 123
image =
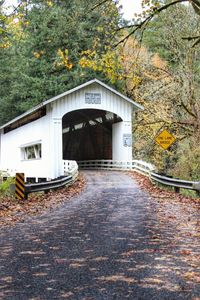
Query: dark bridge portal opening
pixel 87 134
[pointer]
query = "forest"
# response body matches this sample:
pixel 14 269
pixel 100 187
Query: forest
pixel 50 46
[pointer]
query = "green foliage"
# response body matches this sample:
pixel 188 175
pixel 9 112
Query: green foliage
pixel 5 186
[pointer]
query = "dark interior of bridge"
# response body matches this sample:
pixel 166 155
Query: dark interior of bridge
pixel 87 134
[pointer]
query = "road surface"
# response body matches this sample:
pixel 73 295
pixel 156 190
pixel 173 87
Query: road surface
pixel 106 243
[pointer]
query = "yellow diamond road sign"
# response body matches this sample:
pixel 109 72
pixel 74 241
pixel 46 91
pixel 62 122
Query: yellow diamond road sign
pixel 165 139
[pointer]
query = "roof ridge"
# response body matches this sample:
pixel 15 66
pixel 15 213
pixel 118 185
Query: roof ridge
pixel 44 103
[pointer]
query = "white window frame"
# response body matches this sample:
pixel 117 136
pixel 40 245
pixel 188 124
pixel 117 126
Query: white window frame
pixel 31 151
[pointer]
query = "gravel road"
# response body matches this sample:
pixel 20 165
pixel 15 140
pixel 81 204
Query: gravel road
pixel 106 243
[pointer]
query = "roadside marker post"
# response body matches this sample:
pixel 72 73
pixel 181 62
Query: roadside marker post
pixel 20 186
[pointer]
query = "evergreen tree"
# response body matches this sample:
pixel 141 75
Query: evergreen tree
pixel 5 63
pixel 49 41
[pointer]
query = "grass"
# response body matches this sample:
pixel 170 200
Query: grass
pixel 189 193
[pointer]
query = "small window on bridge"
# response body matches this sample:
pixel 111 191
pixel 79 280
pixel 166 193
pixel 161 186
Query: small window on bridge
pixel 32 152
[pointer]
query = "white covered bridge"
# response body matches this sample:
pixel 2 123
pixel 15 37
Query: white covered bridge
pixel 90 122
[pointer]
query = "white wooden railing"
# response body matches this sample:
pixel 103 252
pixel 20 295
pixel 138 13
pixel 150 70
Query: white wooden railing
pixel 70 167
pixel 104 164
pixel 116 165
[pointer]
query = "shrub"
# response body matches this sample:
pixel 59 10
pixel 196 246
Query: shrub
pixel 5 185
pixel 188 164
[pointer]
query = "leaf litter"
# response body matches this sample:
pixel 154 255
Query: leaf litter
pixel 13 210
pixel 177 218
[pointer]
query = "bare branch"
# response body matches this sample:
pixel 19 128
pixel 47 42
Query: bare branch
pixel 145 22
pixel 188 111
pixel 99 4
pixel 196 6
pixel 189 38
pixel 196 43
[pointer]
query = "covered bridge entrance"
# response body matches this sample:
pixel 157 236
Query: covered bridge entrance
pixel 91 121
pixel 87 134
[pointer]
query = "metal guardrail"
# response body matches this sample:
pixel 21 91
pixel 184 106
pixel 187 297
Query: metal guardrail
pixel 144 168
pixel 176 183
pixel 71 172
pixel 49 185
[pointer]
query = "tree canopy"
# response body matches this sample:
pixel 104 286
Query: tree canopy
pixel 45 43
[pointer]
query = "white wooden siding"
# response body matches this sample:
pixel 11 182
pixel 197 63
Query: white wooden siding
pixel 48 129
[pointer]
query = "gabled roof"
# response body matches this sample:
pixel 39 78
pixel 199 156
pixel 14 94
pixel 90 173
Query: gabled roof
pixel 42 104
